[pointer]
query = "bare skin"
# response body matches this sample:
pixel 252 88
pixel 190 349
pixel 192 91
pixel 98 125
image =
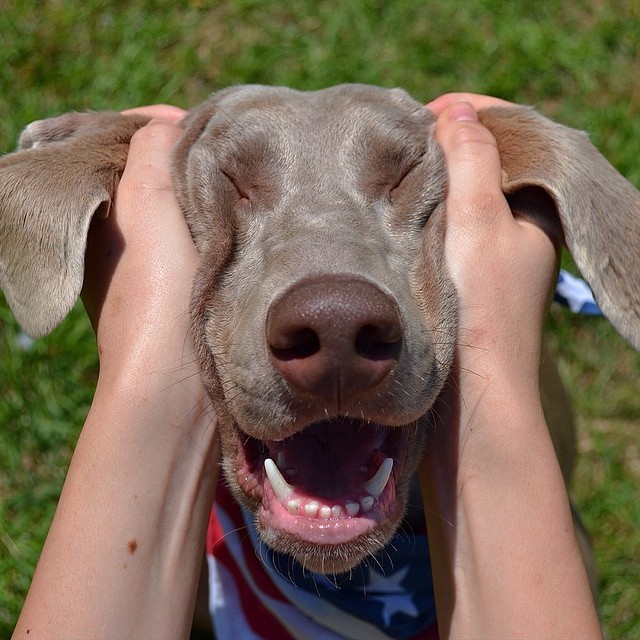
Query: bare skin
pixel 123 555
pixel 505 559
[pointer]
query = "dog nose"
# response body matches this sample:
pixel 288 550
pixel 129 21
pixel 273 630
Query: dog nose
pixel 334 337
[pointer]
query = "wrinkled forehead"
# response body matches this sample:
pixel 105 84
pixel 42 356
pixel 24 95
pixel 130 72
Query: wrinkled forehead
pixel 327 119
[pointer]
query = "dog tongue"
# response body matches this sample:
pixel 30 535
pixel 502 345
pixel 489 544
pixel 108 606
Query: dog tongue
pixel 330 459
pixel 330 483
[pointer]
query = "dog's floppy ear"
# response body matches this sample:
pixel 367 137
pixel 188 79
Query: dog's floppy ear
pixel 598 209
pixel 66 169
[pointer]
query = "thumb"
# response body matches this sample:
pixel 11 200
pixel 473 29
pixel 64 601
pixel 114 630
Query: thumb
pixel 475 198
pixel 150 151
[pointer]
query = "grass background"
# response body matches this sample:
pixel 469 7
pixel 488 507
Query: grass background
pixel 577 61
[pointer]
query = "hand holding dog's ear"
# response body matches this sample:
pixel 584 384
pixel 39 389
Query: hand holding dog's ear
pixel 65 171
pixel 503 266
pixel 150 431
pixel 555 174
pixel 139 259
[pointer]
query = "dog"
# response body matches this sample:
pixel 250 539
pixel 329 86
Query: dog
pixel 322 311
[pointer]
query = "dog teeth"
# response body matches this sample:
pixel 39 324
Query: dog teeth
pixel 281 488
pixel 366 503
pixel 284 492
pixel 311 509
pixel 352 508
pixel 375 485
pixel 293 506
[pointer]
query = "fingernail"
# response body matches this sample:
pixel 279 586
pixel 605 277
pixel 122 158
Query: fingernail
pixel 462 111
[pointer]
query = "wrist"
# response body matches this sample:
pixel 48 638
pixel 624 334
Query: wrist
pixel 147 356
pixel 486 428
pixel 156 395
pixel 144 473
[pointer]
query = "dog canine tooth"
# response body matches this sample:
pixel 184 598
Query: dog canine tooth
pixel 311 509
pixel 352 508
pixel 281 488
pixel 366 502
pixel 375 485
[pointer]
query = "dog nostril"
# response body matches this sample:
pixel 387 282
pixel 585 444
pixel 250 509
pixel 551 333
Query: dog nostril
pixel 334 337
pixel 378 342
pixel 296 345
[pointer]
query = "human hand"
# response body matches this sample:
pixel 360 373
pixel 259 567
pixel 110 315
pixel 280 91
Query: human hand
pixel 141 261
pixel 503 265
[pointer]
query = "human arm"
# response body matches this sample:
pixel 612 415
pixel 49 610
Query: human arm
pixel 505 558
pixel 124 551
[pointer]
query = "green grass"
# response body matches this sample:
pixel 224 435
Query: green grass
pixel 577 61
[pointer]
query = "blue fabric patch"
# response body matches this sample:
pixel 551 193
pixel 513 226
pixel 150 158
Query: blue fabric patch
pixel 394 591
pixel 574 293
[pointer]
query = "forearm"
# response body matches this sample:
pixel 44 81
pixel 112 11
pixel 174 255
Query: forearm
pixel 123 554
pixel 507 561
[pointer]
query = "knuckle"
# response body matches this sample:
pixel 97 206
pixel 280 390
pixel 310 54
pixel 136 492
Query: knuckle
pixel 483 216
pixel 156 130
pixel 472 136
pixel 489 203
pixel 481 213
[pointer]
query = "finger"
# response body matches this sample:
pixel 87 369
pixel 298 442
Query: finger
pixel 146 232
pixel 145 197
pixel 473 163
pixel 146 193
pixel 165 111
pixel 150 153
pixel 478 101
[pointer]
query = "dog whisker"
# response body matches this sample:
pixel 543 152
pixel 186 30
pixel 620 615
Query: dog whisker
pixel 227 534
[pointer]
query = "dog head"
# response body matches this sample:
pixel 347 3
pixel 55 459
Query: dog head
pixel 323 314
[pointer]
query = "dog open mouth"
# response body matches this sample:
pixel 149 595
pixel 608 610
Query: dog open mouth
pixel 328 484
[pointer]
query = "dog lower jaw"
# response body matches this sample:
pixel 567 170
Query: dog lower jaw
pixel 334 522
pixel 343 496
pixel 334 543
pixel 328 559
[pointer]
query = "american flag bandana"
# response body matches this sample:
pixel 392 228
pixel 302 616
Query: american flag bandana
pixel 255 594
